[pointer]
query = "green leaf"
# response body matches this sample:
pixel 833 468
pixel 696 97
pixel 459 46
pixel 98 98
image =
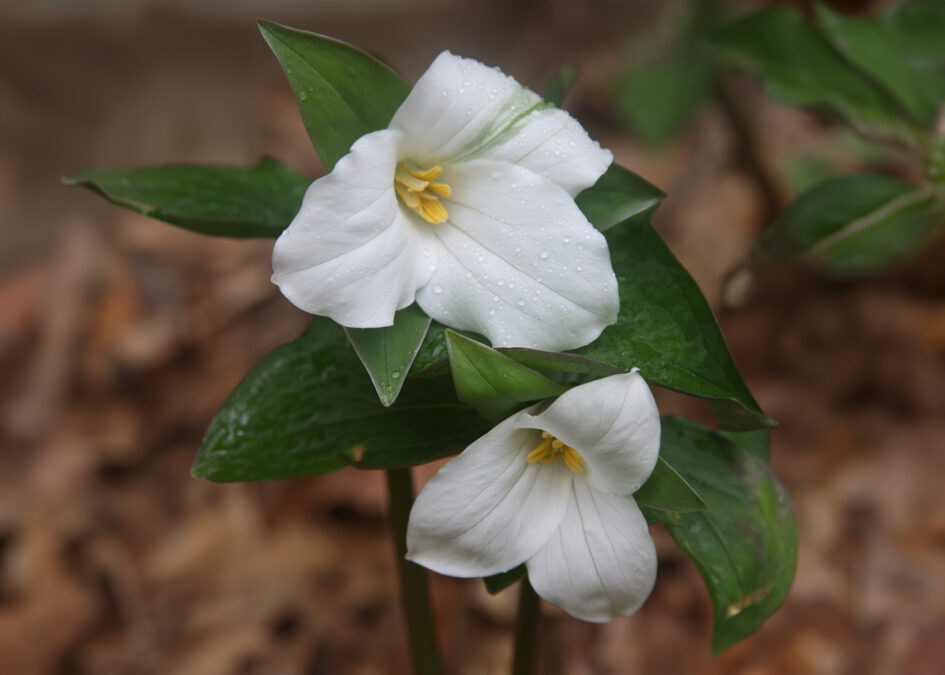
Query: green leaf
pixel 309 408
pixel 853 225
pixel 745 543
pixel 342 92
pixel 387 353
pixel 501 581
pixel 756 442
pixel 616 196
pixel 223 201
pixel 656 100
pixel 801 67
pixel 885 45
pixel 559 85
pixel 491 382
pixel 666 490
pixel 667 329
pixel 559 362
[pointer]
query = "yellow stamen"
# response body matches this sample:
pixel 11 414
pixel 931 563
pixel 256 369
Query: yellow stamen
pixel 415 188
pixel 551 448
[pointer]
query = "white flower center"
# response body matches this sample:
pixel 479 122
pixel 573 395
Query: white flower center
pixel 415 187
pixel 551 448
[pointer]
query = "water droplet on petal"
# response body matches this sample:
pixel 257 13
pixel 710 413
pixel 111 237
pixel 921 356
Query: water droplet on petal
pixel 544 255
pixel 437 289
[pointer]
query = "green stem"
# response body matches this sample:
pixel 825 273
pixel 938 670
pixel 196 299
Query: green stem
pixel 526 630
pixel 415 595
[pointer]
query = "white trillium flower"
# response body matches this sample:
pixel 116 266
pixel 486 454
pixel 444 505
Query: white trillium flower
pixel 465 203
pixel 574 523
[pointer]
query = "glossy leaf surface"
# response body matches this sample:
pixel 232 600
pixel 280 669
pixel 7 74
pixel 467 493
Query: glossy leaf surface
pixel 343 92
pixel 667 329
pixel 745 543
pixel 308 408
pixel 223 201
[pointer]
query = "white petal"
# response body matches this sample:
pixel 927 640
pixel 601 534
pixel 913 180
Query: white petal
pixel 519 263
pixel 488 510
pixel 457 105
pixel 615 426
pixel 461 109
pixel 601 563
pixel 553 144
pixel 350 253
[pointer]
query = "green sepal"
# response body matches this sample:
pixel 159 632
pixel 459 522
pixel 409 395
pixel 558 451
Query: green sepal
pixel 491 382
pixel 387 353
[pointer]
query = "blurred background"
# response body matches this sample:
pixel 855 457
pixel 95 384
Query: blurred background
pixel 120 337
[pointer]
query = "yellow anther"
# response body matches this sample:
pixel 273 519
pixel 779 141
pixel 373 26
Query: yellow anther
pixel 415 188
pixel 551 448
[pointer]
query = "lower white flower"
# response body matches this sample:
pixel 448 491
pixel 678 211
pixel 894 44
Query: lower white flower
pixel 464 204
pixel 574 523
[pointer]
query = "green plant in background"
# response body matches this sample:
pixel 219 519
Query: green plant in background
pixel 391 387
pixel 883 76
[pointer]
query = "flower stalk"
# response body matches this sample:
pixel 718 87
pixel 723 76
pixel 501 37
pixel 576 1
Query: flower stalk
pixel 415 594
pixel 525 655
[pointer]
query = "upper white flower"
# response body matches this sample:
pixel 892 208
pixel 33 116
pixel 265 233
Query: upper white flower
pixel 506 500
pixel 465 203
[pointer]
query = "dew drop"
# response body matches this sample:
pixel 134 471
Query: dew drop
pixel 437 289
pixel 445 93
pixel 303 96
pixel 567 240
pixel 395 374
pixel 521 303
pixel 544 255
pixel 492 312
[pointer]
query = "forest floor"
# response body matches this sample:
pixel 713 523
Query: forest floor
pixel 120 337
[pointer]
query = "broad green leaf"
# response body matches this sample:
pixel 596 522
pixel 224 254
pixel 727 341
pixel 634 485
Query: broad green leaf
pixel 667 329
pixel 656 100
pixel 756 442
pixel 501 581
pixel 666 490
pixel 223 201
pixel 387 353
pixel 745 543
pixel 342 92
pixel 309 408
pixel 853 225
pixel 616 196
pixel 559 85
pixel 886 49
pixel 491 382
pixel 801 67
